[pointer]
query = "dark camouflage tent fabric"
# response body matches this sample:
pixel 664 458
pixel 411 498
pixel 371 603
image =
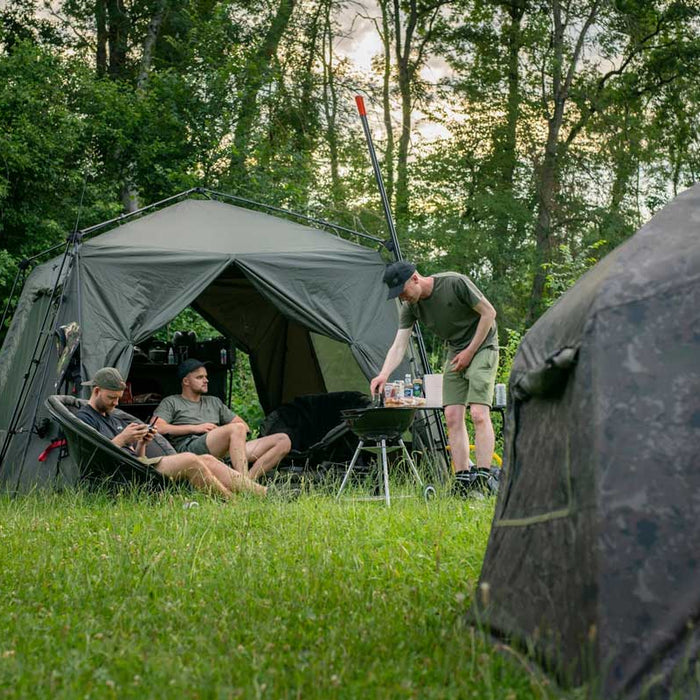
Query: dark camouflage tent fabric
pixel 593 562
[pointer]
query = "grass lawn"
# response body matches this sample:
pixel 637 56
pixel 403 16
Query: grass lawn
pixel 139 597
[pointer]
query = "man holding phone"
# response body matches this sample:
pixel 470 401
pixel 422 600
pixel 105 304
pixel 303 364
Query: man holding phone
pixel 202 471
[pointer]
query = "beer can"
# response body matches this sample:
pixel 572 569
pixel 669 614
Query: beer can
pixel 500 396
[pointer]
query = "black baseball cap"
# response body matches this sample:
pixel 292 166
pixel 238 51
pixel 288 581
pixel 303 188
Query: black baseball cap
pixel 190 365
pixel 396 275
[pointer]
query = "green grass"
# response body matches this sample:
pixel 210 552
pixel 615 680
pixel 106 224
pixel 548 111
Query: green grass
pixel 138 597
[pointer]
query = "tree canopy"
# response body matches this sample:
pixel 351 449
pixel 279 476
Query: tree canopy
pixel 520 140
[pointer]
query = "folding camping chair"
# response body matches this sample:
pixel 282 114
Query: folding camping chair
pixel 319 434
pixel 99 460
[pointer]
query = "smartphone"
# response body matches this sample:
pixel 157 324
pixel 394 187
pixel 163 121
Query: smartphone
pixel 152 424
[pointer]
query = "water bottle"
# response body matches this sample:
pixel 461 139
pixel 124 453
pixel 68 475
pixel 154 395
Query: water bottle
pixel 407 386
pixel 500 398
pixel 223 356
pixel 171 356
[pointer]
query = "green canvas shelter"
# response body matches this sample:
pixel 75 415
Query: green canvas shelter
pixel 593 558
pixel 308 307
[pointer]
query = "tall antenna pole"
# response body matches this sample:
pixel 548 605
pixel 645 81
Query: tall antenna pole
pixel 396 248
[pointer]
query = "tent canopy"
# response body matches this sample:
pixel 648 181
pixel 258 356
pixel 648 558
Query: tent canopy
pixel 308 307
pixel 593 555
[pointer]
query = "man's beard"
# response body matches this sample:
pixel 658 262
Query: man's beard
pixel 102 407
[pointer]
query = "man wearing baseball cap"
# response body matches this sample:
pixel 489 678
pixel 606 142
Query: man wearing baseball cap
pixel 203 424
pixel 202 471
pixel 452 306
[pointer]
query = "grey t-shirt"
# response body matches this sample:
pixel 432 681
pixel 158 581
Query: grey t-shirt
pixel 177 410
pixel 449 312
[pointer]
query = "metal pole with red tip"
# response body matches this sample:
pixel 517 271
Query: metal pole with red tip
pixel 397 252
pixel 378 176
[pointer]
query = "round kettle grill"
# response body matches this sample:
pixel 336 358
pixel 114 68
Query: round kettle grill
pixel 380 424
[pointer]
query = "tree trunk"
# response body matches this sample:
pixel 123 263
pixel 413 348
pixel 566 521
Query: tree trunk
pixel 506 141
pixel 547 174
pixel 117 38
pixel 405 76
pixel 330 108
pixel 101 53
pixel 547 185
pixel 149 43
pixel 256 73
pixel 386 104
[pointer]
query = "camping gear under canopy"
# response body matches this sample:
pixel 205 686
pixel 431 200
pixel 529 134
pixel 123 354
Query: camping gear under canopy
pixel 308 307
pixel 592 562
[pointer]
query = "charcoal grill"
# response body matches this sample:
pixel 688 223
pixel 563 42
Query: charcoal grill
pixel 381 425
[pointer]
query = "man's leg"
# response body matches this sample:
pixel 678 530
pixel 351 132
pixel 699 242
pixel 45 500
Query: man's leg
pixel 187 465
pixel 267 452
pixel 458 436
pixel 231 479
pixel 481 374
pixel 484 438
pixel 229 440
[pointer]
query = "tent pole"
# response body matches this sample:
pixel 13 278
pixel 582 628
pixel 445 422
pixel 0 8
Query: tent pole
pixel 396 249
pixel 34 362
pixel 47 342
pixel 297 215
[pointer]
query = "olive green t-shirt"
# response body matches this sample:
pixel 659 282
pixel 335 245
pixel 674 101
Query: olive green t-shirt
pixel 449 312
pixel 177 410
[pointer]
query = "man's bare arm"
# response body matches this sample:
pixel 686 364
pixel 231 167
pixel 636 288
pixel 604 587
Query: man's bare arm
pixel 488 315
pixel 165 428
pixel 392 360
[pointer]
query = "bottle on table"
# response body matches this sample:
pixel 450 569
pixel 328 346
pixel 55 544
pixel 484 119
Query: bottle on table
pixel 408 386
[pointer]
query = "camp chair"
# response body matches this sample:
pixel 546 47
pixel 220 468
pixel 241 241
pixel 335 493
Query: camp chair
pixel 319 434
pixel 99 460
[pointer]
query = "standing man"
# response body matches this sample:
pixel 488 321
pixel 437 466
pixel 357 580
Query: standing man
pixel 452 306
pixel 203 472
pixel 196 422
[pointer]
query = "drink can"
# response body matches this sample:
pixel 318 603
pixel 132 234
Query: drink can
pixel 500 397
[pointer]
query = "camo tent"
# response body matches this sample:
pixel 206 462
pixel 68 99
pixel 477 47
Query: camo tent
pixel 593 558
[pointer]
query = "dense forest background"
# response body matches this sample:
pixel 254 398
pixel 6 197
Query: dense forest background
pixel 562 125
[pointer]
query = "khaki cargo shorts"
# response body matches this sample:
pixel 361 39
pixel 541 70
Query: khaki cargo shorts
pixel 474 384
pixel 196 444
pixel 150 461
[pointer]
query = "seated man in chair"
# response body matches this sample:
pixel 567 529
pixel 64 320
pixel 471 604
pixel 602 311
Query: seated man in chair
pixel 202 471
pixel 204 425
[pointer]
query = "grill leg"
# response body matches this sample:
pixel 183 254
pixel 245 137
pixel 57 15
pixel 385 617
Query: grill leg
pixel 350 468
pixel 410 462
pixel 385 468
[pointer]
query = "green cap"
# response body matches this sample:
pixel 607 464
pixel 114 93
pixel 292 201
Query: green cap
pixel 107 378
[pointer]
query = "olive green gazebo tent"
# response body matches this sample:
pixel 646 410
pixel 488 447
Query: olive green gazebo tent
pixel 308 307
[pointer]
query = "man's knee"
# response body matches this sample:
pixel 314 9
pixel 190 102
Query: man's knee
pixel 283 444
pixel 209 461
pixel 238 430
pixel 454 417
pixel 480 414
